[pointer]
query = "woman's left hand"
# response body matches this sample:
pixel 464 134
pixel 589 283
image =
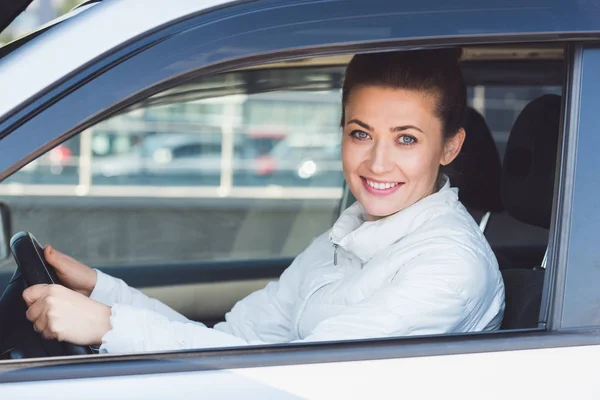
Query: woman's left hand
pixel 68 316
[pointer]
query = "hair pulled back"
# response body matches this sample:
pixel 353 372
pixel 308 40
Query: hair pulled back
pixel 435 71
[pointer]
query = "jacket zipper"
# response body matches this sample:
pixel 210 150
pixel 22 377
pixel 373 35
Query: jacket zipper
pixel 335 254
pixel 335 249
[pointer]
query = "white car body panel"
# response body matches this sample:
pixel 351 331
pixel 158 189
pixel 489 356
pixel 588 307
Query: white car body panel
pixel 87 36
pixel 523 374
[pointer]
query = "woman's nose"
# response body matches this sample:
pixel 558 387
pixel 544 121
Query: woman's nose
pixel 381 159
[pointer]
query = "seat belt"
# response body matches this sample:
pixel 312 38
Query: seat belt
pixel 484 221
pixel 545 259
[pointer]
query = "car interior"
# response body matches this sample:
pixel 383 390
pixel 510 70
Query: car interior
pixel 506 182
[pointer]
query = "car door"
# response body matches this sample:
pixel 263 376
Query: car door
pixel 426 366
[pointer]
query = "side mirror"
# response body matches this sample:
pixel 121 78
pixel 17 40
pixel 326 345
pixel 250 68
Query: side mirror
pixel 5 231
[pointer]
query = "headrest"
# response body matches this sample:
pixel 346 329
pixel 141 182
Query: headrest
pixel 477 169
pixel 530 161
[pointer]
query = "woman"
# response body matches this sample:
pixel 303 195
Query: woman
pixel 405 259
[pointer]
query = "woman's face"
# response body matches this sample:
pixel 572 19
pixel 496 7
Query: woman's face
pixel 392 147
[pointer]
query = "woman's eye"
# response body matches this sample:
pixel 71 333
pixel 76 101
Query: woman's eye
pixel 404 139
pixel 359 135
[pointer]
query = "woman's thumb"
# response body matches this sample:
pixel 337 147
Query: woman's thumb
pixel 51 256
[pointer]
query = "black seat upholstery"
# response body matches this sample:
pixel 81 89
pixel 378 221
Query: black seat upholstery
pixel 527 188
pixel 477 170
pixel 523 290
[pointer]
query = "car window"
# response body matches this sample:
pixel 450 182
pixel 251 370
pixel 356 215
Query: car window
pixel 204 193
pixel 192 177
pixel 218 152
pixel 187 151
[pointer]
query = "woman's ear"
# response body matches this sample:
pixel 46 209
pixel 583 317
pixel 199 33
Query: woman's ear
pixel 452 147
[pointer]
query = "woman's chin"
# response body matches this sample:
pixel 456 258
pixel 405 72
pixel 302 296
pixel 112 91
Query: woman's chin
pixel 376 212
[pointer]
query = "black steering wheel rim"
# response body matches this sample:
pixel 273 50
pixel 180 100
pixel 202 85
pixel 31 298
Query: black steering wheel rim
pixel 33 269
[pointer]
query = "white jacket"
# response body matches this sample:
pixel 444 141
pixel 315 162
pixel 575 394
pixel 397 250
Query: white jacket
pixel 427 269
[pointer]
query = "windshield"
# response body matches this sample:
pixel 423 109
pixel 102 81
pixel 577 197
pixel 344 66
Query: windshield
pixel 19 42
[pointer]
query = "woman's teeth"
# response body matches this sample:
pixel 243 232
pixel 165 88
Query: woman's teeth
pixel 381 185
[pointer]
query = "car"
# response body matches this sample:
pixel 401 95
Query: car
pixel 298 162
pixel 185 156
pixel 56 162
pixel 528 177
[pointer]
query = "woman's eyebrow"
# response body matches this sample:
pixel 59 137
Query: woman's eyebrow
pixel 360 123
pixel 396 129
pixel 405 128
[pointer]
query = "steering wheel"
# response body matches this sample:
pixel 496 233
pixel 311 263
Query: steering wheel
pixel 20 340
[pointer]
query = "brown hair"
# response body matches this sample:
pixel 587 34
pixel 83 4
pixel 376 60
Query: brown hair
pixel 436 71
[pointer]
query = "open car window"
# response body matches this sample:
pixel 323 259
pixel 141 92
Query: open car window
pixel 216 185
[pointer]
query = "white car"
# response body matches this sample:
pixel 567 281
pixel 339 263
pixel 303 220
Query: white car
pixel 184 156
pixel 201 249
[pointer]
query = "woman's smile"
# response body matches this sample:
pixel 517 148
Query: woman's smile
pixel 380 188
pixel 392 148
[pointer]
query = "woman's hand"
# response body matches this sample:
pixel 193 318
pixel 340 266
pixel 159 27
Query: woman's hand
pixel 71 272
pixel 62 314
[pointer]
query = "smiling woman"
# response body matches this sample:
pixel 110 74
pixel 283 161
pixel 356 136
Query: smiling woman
pixel 405 259
pixel 402 118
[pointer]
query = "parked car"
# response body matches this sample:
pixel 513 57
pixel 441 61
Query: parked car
pixel 189 158
pixel 58 161
pixel 201 250
pixel 305 163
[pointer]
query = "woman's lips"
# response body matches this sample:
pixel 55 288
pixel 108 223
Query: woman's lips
pixel 381 189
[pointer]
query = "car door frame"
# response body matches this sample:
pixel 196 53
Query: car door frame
pixel 133 71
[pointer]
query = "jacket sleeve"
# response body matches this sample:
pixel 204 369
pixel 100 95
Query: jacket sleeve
pixel 262 317
pixel 111 291
pixel 437 293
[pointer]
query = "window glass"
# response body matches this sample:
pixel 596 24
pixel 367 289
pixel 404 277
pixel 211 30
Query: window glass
pixel 193 174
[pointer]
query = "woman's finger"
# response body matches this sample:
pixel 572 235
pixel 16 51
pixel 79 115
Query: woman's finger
pixel 34 293
pixel 41 323
pixel 60 260
pixel 35 310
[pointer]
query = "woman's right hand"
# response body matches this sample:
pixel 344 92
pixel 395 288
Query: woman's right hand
pixel 72 274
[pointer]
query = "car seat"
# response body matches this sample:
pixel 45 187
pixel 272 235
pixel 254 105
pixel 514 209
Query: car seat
pixel 477 170
pixel 527 186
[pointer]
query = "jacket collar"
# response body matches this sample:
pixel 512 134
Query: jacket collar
pixel 353 233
